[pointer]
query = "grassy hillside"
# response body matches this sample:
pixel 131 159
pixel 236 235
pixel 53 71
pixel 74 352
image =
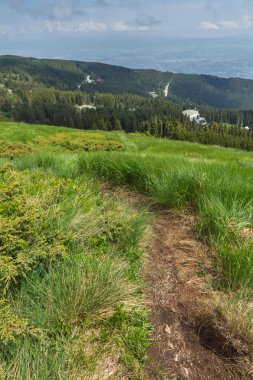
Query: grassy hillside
pixel 71 294
pixel 197 89
pixel 131 142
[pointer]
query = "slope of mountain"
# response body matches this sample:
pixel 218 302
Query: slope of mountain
pixel 69 75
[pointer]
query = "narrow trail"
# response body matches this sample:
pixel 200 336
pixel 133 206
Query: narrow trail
pixel 190 340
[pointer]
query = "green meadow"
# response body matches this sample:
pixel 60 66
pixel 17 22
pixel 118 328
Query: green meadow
pixel 72 251
pixel 133 142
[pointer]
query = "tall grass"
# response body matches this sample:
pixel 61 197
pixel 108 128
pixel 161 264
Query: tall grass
pixel 220 193
pixel 78 290
pixel 171 184
pixel 223 218
pixel 76 301
pixel 238 308
pixel 37 360
pixel 57 164
pixel 99 271
pixel 234 265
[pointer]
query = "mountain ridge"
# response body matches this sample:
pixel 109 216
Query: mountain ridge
pixel 193 89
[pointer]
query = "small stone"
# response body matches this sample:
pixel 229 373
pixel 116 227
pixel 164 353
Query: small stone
pixel 167 329
pixel 185 372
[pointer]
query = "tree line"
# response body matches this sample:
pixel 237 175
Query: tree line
pixel 131 113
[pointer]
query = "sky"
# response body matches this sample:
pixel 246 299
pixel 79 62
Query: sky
pixel 81 28
pixel 182 18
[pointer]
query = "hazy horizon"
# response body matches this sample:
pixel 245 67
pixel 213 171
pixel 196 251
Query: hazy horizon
pixel 170 35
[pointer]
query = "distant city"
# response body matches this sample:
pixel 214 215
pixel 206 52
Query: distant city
pixel 214 57
pixel 190 61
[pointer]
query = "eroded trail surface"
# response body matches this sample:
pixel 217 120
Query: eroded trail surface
pixel 190 341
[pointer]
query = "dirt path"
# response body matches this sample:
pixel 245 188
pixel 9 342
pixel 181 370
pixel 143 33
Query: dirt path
pixel 190 340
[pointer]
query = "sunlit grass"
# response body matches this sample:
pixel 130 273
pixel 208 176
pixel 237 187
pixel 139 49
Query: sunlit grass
pixel 77 261
pixel 224 203
pixel 93 287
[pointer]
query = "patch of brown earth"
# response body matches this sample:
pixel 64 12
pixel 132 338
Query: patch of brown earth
pixel 247 234
pixel 191 340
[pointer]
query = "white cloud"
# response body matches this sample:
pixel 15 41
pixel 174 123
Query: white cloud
pixel 227 24
pixel 68 27
pixel 223 25
pixel 208 25
pixel 124 27
pixel 82 27
pixel 90 26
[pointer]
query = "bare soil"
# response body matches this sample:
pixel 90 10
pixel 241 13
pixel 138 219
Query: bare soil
pixel 191 340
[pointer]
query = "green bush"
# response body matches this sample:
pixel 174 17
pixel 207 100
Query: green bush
pixel 13 327
pixel 79 142
pixel 13 149
pixel 27 235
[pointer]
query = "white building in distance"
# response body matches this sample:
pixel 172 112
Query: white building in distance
pixel 87 106
pixel 194 116
pixel 191 114
pixel 153 94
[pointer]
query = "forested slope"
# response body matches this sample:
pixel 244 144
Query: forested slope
pixel 69 75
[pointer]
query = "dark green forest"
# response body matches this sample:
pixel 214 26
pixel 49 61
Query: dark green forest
pixel 197 90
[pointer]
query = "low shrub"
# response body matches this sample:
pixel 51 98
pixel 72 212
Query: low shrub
pixel 77 143
pixel 13 149
pixel 28 234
